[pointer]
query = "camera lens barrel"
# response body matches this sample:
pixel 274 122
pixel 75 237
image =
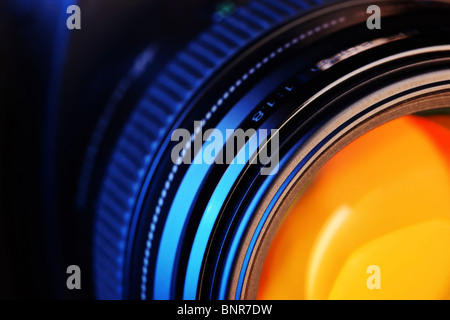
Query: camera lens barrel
pixel 164 229
pixel 217 149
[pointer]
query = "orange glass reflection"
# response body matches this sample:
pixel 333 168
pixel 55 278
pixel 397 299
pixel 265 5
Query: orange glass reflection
pixel 373 224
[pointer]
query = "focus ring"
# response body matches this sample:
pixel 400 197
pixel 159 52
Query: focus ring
pixel 153 117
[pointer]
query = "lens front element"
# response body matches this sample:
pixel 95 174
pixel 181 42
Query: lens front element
pixel 373 224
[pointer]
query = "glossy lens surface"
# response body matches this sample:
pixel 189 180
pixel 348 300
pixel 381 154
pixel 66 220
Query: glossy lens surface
pixel 374 223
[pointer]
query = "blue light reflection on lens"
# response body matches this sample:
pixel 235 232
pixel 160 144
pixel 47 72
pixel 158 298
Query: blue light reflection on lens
pixel 179 210
pixel 231 254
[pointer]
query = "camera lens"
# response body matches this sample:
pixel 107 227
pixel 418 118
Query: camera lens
pixel 169 228
pixel 263 149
